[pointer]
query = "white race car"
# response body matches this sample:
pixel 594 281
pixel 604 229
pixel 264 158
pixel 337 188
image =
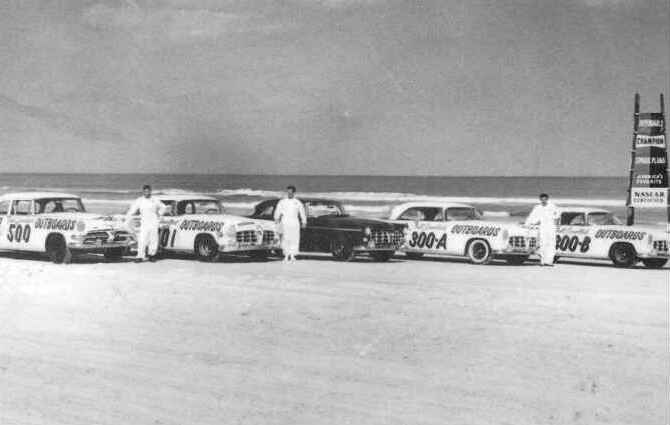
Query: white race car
pixel 598 234
pixel 58 224
pixel 198 224
pixel 458 230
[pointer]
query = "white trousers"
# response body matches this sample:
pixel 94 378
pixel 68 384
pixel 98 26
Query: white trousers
pixel 290 237
pixel 547 244
pixel 147 241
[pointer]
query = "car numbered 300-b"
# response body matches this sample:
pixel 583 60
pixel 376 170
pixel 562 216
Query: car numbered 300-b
pixel 57 224
pixel 331 229
pixel 453 229
pixel 198 224
pixel 593 233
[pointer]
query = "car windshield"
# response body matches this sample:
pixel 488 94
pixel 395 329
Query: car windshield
pixel 58 205
pixel 199 206
pixel 603 219
pixel 323 208
pixel 462 213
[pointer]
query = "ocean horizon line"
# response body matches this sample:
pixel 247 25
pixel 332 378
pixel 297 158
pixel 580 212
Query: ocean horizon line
pixel 313 175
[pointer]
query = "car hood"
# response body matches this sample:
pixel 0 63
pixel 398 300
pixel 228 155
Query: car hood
pixel 352 222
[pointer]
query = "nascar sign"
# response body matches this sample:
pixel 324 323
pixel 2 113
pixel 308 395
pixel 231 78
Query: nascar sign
pixel 649 170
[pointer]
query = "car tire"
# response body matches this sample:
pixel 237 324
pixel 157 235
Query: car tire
pixel 206 248
pixel 114 254
pixel 654 263
pixel 382 256
pixel 623 255
pixel 414 255
pixel 57 250
pixel 516 260
pixel 479 252
pixel 342 250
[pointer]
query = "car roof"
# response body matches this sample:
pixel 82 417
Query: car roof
pixel 585 210
pixel 36 195
pixel 183 197
pixel 432 205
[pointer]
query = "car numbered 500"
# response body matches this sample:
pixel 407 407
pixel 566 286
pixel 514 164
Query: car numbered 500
pixel 457 230
pixel 57 224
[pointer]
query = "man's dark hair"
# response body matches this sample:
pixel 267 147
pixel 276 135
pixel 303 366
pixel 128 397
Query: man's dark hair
pixel 544 195
pixel 291 188
pixel 145 187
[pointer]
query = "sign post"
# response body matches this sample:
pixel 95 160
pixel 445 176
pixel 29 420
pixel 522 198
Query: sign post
pixel 648 176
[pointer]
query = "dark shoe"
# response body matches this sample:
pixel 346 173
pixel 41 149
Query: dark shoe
pixel 152 258
pixel 138 260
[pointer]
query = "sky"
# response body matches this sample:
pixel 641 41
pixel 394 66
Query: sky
pixel 444 87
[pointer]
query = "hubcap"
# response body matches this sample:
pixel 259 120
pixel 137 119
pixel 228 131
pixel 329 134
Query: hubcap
pixel 479 251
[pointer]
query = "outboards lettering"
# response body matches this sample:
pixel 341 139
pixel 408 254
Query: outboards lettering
pixel 620 234
pixel 54 224
pixel 475 230
pixel 198 225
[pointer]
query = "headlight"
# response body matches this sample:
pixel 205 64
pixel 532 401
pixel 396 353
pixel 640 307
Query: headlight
pixel 367 231
pixel 505 234
pixel 81 226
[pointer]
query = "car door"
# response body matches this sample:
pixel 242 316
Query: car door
pixel 20 225
pixel 427 229
pixel 573 238
pixel 4 223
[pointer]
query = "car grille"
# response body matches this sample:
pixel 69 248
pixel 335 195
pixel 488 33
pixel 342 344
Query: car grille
pixel 247 236
pixel 268 237
pixel 93 238
pixel 387 238
pixel 122 237
pixel 661 246
pixel 522 242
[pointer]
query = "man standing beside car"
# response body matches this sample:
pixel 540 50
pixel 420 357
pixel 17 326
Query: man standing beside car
pixel 545 215
pixel 150 209
pixel 290 216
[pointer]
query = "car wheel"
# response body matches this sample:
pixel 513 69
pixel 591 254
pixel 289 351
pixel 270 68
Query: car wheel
pixel 342 250
pixel 516 260
pixel 382 256
pixel 113 254
pixel 623 255
pixel 57 250
pixel 479 252
pixel 654 263
pixel 414 255
pixel 206 248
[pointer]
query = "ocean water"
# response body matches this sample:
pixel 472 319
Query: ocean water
pixel 372 196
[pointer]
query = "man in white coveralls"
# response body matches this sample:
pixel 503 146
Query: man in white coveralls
pixel 290 216
pixel 545 215
pixel 150 210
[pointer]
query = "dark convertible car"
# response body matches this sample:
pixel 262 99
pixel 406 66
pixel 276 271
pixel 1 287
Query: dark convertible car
pixel 330 229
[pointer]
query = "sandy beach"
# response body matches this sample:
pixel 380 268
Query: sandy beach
pixel 321 342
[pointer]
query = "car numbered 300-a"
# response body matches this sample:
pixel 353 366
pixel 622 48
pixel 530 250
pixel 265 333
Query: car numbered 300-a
pixel 458 230
pixel 593 233
pixel 58 224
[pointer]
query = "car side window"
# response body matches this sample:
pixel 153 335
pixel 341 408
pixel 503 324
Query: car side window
pixel 22 207
pixel 573 219
pixel 422 214
pixel 4 207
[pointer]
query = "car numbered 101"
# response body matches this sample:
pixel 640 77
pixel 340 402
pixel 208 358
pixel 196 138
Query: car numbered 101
pixel 57 224
pixel 457 230
pixel 197 224
pixel 598 234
